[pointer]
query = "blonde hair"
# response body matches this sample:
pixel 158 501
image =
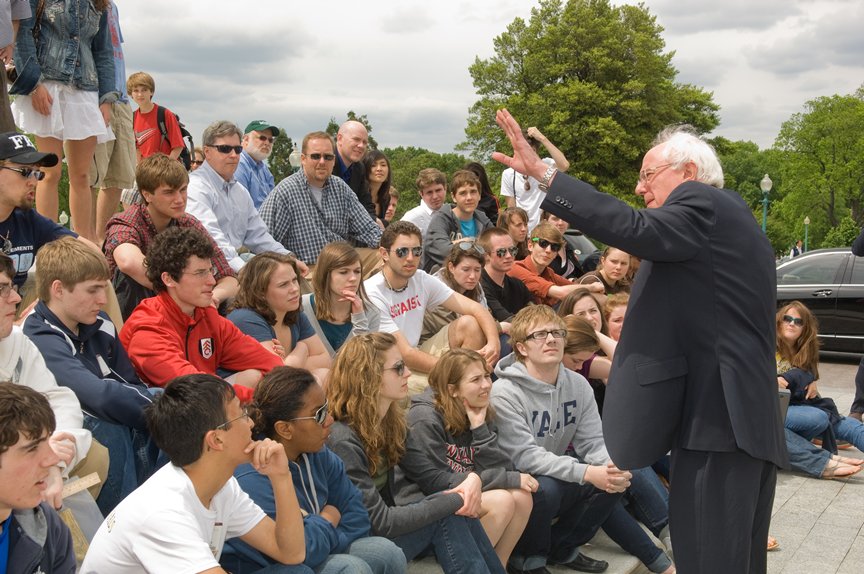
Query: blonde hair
pixel 526 319
pixel 352 392
pixel 69 261
pixel 447 373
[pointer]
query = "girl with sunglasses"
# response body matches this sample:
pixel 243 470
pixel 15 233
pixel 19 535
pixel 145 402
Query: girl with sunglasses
pixel 452 433
pixel 290 408
pixel 515 221
pixel 338 307
pixel 810 415
pixel 367 387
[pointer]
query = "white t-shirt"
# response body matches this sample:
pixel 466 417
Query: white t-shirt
pixel 404 311
pixel 163 527
pixel 419 216
pixel 528 200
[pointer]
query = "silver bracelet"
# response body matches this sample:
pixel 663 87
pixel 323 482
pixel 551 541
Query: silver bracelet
pixel 546 180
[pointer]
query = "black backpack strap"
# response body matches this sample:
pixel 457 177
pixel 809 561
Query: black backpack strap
pixel 160 121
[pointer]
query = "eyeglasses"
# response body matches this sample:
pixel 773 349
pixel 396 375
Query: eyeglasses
pixel 646 175
pixel 319 417
pixel 402 252
pixel 245 415
pixel 542 335
pixel 27 172
pixel 797 321
pixel 264 138
pixel 197 161
pixel 505 250
pixel 527 183
pixel 398 366
pixel 468 245
pixel 226 149
pixel 319 156
pixel 202 273
pixel 544 244
pixel 6 290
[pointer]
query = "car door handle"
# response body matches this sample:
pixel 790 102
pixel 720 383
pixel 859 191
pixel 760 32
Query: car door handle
pixel 822 293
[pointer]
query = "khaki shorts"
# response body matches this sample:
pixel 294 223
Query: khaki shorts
pixel 114 162
pixel 436 345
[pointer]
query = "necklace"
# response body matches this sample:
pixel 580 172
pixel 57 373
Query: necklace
pixel 391 287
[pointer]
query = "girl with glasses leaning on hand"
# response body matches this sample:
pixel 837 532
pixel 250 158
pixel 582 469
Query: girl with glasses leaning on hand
pixel 367 387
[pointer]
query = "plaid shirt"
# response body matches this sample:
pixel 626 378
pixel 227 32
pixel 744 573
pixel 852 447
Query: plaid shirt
pixel 296 220
pixel 135 226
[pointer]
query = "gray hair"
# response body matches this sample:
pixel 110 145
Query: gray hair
pixel 220 129
pixel 684 145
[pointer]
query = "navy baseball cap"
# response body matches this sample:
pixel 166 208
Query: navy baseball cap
pixel 17 147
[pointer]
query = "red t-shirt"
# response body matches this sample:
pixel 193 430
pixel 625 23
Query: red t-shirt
pixel 148 138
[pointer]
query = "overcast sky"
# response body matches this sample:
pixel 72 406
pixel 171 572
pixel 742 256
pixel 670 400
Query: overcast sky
pixel 404 63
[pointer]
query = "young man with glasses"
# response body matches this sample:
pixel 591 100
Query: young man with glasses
pixel 403 294
pixel 252 171
pixel 223 205
pixel 546 286
pixel 549 425
pixel 450 225
pixel 312 208
pixel 178 331
pixel 505 295
pixel 179 519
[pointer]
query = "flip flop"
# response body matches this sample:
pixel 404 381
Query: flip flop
pixel 773 544
pixel 832 469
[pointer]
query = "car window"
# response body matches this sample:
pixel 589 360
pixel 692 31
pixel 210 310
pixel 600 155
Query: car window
pixel 857 271
pixel 814 270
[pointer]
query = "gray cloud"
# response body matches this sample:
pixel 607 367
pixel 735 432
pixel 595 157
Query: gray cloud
pixel 693 17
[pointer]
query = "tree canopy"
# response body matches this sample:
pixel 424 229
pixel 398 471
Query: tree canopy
pixel 278 162
pixel 595 79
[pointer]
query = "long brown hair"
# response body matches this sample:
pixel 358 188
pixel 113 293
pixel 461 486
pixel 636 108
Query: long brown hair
pixel 455 257
pixel 352 392
pixel 333 256
pixel 254 280
pixel 567 304
pixel 445 377
pixel 504 219
pixel 580 336
pixel 804 353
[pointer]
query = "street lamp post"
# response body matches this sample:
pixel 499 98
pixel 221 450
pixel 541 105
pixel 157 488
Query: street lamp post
pixel 766 184
pixel 806 229
pixel 294 159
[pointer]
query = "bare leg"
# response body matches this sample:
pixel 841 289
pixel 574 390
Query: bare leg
pixel 106 206
pixel 78 160
pixel 523 503
pixel 465 333
pixel 46 190
pixel 496 512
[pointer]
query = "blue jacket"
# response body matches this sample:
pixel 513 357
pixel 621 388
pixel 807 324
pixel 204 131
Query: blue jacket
pixel 93 364
pixel 255 177
pixel 319 480
pixel 74 48
pixel 39 542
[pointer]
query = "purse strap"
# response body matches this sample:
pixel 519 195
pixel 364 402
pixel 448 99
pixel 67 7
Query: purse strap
pixel 37 23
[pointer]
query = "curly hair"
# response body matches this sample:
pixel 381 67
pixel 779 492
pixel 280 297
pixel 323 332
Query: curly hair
pixel 254 280
pixel 567 304
pixel 397 228
pixel 334 256
pixel 170 252
pixel 445 377
pixel 352 392
pixel 804 353
pixel 278 397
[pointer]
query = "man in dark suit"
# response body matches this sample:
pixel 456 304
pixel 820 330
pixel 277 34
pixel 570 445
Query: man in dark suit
pixel 694 371
pixel 351 143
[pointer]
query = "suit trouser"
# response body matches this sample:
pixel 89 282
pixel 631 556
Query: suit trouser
pixel 719 511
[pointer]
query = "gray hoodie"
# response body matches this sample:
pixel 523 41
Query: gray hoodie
pixel 538 423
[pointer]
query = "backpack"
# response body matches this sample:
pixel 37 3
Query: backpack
pixel 188 143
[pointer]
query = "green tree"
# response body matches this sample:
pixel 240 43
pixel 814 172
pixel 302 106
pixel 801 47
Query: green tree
pixel 595 79
pixel 278 162
pixel 333 127
pixel 843 235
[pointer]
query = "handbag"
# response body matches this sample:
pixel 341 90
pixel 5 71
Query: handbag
pixel 11 71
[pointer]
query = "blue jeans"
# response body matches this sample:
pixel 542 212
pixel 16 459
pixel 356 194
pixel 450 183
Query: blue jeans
pixel 850 430
pixel 460 545
pixel 237 564
pixel 804 456
pixel 626 533
pixel 648 499
pixel 132 456
pixel 580 509
pixel 806 421
pixel 371 555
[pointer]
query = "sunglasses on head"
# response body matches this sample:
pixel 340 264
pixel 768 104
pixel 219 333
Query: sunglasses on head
pixel 398 366
pixel 470 244
pixel 319 417
pixel 318 156
pixel 797 321
pixel 402 252
pixel 505 250
pixel 543 243
pixel 264 138
pixel 226 149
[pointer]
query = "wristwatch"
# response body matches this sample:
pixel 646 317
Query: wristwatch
pixel 546 180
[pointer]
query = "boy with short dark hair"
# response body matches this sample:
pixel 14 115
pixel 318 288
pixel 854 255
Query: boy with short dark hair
pixel 148 135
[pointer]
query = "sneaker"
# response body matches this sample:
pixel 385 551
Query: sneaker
pixel 584 563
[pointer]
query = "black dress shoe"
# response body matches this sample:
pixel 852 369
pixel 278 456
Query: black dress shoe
pixel 541 570
pixel 584 563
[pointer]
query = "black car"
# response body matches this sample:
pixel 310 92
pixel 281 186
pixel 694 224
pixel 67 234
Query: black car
pixel 831 283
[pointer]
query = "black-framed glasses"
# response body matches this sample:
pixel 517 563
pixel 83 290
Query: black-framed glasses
pixel 6 290
pixel 503 251
pixel 202 273
pixel 226 149
pixel 470 244
pixel 543 334
pixel 402 252
pixel 264 138
pixel 797 321
pixel 27 172
pixel 646 175
pixel 319 417
pixel 320 156
pixel 398 366
pixel 545 244
pixel 245 415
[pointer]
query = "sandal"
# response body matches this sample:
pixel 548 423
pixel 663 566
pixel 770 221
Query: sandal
pixel 848 460
pixel 773 544
pixel 838 470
